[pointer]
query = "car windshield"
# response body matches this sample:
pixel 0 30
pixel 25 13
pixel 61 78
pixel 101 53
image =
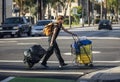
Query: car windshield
pixel 42 23
pixel 13 21
pixel 104 21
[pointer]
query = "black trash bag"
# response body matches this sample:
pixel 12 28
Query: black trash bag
pixel 33 55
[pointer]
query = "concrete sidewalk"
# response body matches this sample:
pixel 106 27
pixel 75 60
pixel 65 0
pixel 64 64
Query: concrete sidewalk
pixel 110 75
pixel 79 26
pixel 86 26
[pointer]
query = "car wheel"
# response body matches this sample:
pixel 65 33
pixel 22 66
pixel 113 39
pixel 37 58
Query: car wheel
pixel 12 35
pixel 32 35
pixel 91 65
pixel 29 32
pixel 19 34
pixel 110 28
pixel 99 28
pixel 1 36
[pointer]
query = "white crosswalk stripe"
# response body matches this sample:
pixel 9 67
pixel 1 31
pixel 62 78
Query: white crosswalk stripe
pixel 41 72
pixel 60 37
pixel 54 62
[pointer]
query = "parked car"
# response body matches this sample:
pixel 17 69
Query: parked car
pixel 15 26
pixel 105 24
pixel 37 29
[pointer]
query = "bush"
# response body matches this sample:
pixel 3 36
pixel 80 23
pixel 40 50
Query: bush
pixel 76 19
pixel 97 20
pixel 66 21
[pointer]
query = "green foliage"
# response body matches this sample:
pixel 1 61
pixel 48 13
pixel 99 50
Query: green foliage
pixel 26 5
pixel 97 20
pixel 66 21
pixel 76 17
pixel 31 4
pixel 79 9
pixel 33 11
pixel 39 80
pixel 113 4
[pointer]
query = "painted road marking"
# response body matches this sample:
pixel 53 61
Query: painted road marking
pixel 7 79
pixel 94 52
pixel 26 43
pixel 41 72
pixel 60 37
pixel 23 38
pixel 54 62
pixel 68 54
pixel 7 41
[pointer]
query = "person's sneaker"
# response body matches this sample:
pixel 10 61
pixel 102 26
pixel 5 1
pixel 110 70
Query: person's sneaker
pixel 44 65
pixel 62 65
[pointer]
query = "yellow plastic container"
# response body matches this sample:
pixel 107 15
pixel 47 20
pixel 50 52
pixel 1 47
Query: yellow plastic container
pixel 85 56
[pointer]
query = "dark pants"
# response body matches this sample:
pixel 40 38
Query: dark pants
pixel 50 51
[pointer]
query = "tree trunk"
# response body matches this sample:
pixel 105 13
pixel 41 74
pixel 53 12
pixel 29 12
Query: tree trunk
pixel 65 9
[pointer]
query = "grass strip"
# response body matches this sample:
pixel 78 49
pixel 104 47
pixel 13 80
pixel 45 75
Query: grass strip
pixel 39 80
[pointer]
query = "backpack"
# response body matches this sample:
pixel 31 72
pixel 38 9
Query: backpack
pixel 48 30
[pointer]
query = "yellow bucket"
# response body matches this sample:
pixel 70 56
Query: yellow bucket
pixel 85 56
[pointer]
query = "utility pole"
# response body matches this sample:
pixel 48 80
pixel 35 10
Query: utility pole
pixel 49 11
pixel 105 8
pixel 93 5
pixel 118 11
pixel 82 1
pixel 101 16
pixel 40 8
pixel 3 10
pixel 70 13
pixel 37 10
pixel 88 11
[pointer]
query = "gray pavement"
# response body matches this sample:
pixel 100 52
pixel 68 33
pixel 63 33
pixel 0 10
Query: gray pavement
pixel 109 75
pixel 104 45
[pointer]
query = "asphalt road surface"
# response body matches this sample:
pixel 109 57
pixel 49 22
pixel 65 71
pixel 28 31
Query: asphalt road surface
pixel 106 54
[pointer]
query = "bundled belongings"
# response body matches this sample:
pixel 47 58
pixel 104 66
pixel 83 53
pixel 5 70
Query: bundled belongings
pixel 33 55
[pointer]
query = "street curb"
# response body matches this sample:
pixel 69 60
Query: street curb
pixel 110 75
pixel 67 27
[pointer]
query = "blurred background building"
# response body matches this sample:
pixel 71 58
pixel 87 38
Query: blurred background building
pixel 5 9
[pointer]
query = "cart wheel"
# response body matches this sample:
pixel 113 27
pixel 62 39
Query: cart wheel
pixel 86 64
pixel 91 65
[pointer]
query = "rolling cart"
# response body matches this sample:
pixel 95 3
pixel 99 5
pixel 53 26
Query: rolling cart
pixel 82 49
